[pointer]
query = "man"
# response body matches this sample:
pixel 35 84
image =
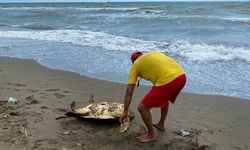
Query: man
pixel 167 77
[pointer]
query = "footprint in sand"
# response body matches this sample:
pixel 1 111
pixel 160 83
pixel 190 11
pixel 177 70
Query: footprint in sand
pixel 43 142
pixel 52 90
pixel 44 95
pixel 18 84
pixel 58 95
pixel 65 91
pixel 44 107
pixel 61 110
pixel 15 113
pixel 142 128
pixel 31 100
pixel 187 143
pixel 32 90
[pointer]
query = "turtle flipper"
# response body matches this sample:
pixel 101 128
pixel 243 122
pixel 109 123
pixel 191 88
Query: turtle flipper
pixel 79 111
pixel 125 125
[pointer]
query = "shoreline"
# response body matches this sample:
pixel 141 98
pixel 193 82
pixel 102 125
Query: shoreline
pixel 116 82
pixel 215 122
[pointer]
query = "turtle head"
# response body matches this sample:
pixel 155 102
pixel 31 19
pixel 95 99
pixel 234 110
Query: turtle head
pixel 73 106
pixel 91 99
pixel 73 109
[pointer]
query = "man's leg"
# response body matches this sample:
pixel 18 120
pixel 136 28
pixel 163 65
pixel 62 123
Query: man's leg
pixel 147 119
pixel 161 124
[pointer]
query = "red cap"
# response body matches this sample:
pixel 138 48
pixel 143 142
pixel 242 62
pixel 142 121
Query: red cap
pixel 135 55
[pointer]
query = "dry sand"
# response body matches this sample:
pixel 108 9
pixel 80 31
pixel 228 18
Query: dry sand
pixel 43 94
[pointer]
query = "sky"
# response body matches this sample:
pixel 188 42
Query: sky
pixel 13 1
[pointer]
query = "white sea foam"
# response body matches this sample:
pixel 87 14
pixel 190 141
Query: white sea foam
pixel 199 51
pixel 105 8
pixel 73 8
pixel 234 19
pixel 79 8
pixel 204 51
pixel 30 8
pixel 231 19
pixel 85 38
pixel 143 10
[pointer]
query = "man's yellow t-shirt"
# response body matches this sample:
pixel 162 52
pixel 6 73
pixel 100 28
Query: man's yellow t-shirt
pixel 155 67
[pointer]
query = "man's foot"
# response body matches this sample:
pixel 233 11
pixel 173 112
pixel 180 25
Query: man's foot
pixel 159 127
pixel 146 138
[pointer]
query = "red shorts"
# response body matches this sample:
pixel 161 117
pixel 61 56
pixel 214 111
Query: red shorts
pixel 159 96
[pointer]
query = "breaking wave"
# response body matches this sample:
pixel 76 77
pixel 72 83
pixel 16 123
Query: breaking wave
pixel 196 51
pixel 240 20
pixel 144 10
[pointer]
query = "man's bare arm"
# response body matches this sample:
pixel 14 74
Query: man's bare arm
pixel 128 97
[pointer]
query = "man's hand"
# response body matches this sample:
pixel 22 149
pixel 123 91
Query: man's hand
pixel 127 100
pixel 123 117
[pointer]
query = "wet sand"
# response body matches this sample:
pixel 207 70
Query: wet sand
pixel 43 94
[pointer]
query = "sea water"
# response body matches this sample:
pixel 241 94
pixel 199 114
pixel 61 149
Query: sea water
pixel 211 40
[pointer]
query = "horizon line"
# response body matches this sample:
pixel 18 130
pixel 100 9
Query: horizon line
pixel 131 1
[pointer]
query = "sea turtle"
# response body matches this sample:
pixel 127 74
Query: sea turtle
pixel 102 110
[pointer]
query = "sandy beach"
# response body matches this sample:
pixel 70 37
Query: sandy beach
pixel 43 94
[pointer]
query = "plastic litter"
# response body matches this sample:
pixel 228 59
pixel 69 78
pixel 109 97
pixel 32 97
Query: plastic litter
pixel 182 132
pixel 12 100
pixel 9 100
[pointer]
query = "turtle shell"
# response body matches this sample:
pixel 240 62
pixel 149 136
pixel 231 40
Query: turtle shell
pixel 101 110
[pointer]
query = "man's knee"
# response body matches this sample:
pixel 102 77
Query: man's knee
pixel 142 108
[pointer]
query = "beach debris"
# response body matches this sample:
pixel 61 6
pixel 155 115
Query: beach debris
pixel 23 134
pixel 69 132
pixel 182 132
pixel 67 149
pixel 9 114
pixel 101 110
pixel 23 131
pixel 6 116
pixel 195 131
pixel 195 141
pixel 10 100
